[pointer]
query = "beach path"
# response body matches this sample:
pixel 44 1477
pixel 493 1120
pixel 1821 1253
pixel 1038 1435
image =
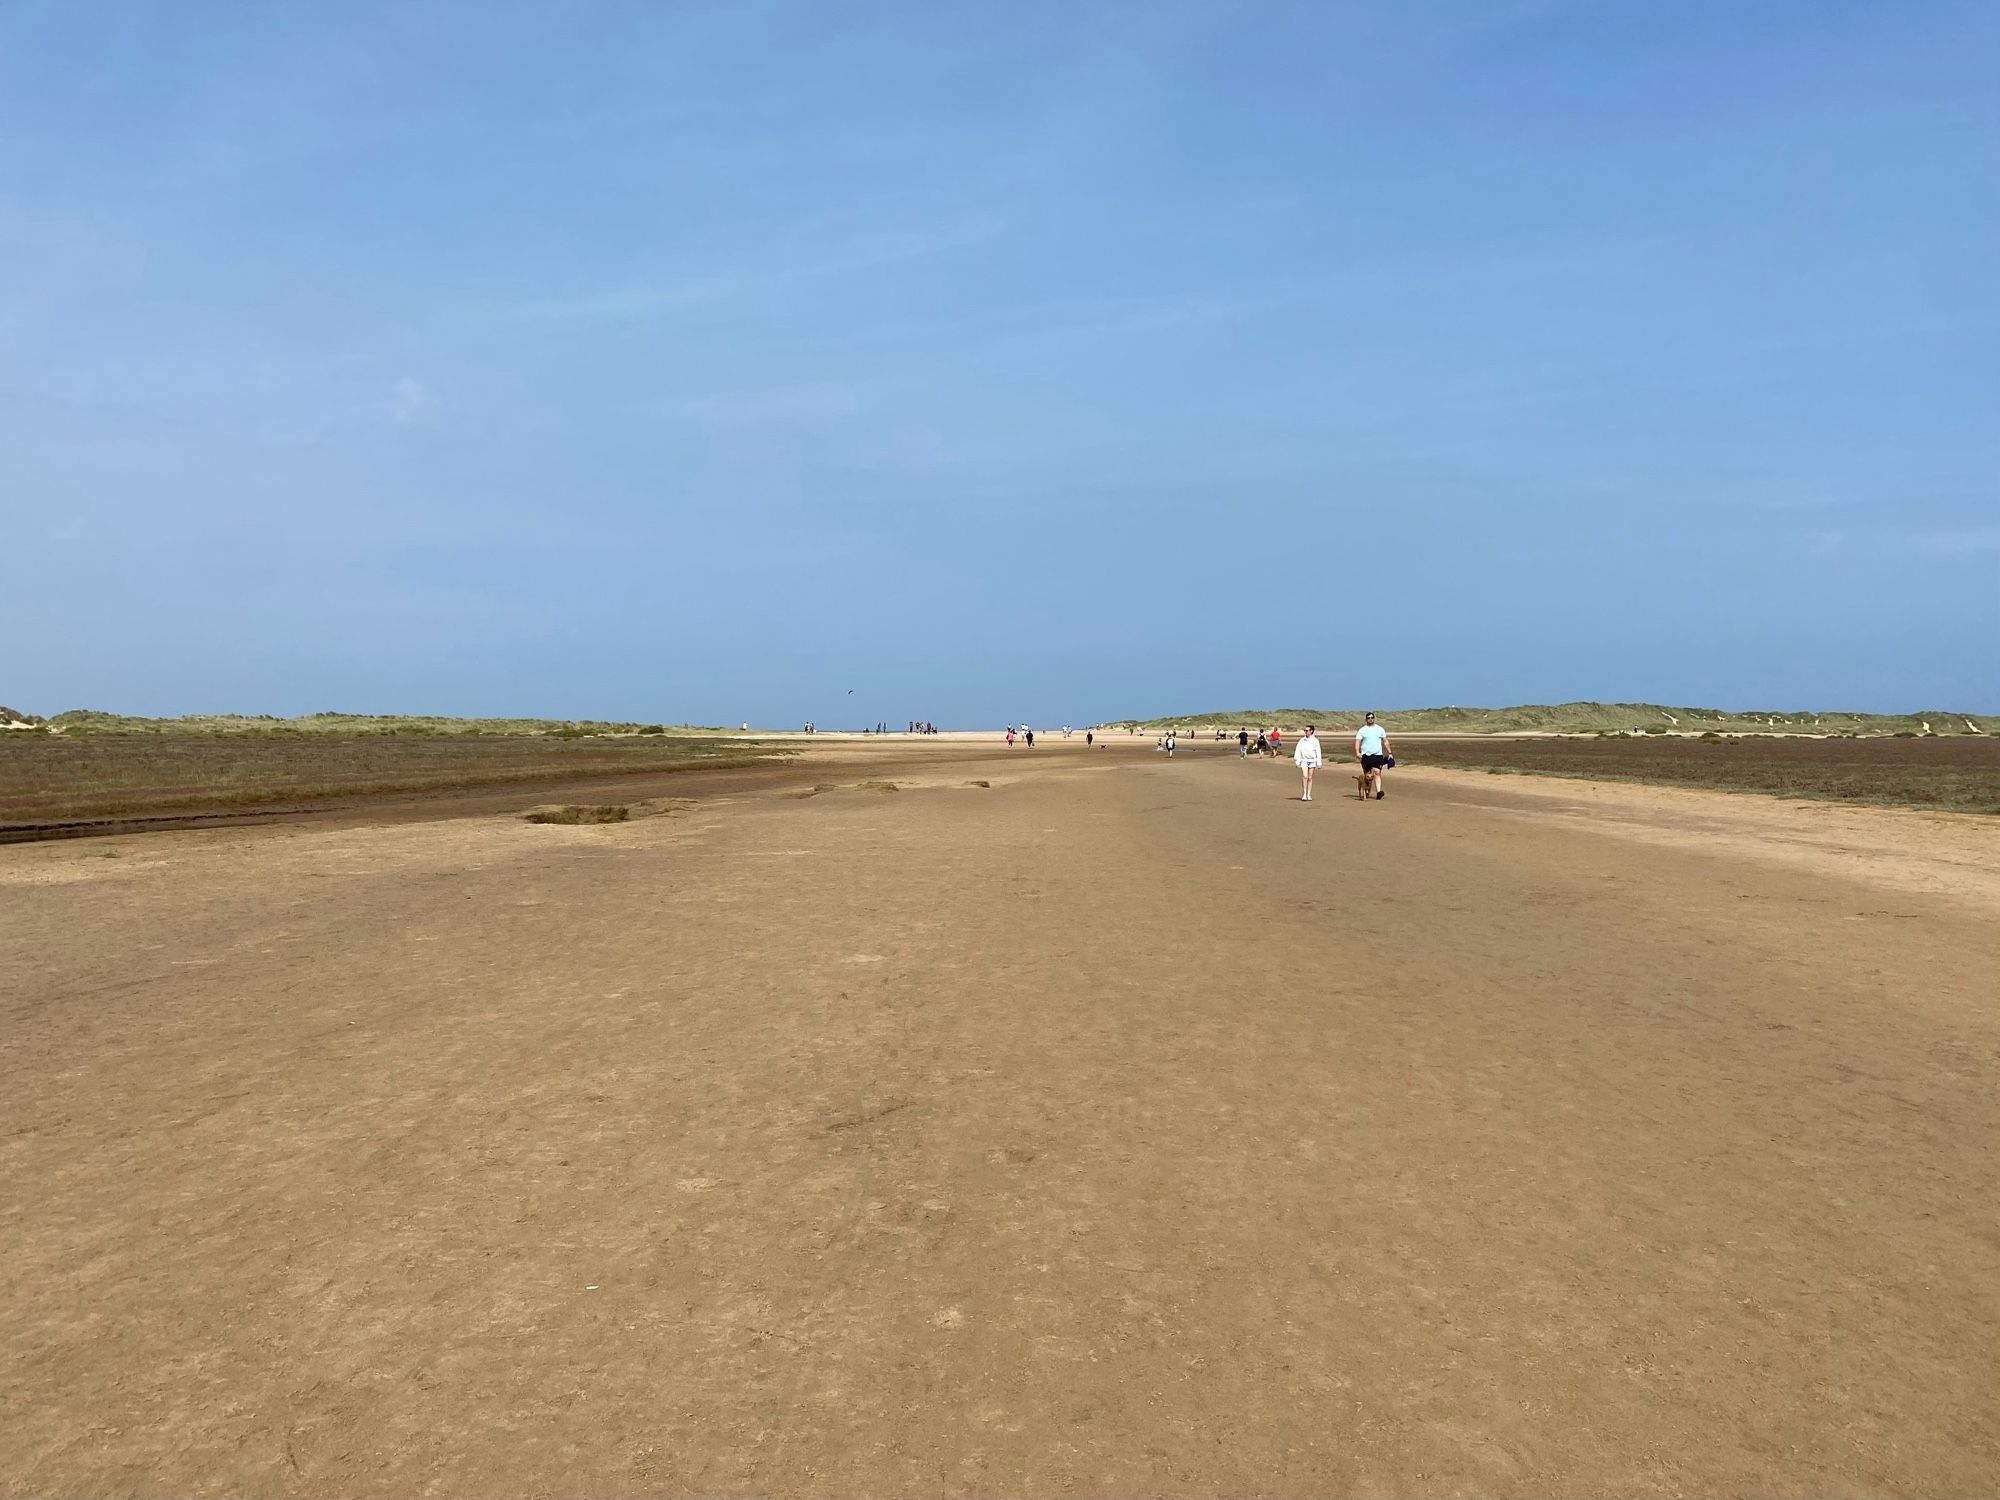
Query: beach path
pixel 1118 1126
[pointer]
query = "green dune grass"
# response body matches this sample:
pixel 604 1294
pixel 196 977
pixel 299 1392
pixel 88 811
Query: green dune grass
pixel 1591 718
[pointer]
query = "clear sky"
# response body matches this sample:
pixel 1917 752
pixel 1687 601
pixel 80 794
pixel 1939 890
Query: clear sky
pixel 998 361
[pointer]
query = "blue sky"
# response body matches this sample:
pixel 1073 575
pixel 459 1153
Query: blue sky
pixel 1044 361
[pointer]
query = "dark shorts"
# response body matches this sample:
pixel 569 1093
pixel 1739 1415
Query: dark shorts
pixel 1374 762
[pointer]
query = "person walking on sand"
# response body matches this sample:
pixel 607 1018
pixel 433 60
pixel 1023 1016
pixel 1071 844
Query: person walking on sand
pixel 1170 743
pixel 1242 744
pixel 1306 756
pixel 1010 736
pixel 1277 742
pixel 1372 750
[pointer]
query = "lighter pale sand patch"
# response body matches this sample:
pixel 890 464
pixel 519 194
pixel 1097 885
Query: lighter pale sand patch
pixel 1953 855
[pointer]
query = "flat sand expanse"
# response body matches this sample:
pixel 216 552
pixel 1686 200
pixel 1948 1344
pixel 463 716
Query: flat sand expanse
pixel 1119 1127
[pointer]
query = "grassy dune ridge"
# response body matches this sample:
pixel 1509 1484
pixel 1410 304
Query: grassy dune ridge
pixel 1595 718
pixel 87 721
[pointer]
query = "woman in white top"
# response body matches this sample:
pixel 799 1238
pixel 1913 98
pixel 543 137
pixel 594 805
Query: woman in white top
pixel 1306 757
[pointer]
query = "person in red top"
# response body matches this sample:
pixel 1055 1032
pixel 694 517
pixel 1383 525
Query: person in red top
pixel 1278 743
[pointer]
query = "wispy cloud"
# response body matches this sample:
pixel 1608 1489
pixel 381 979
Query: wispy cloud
pixel 410 402
pixel 1963 542
pixel 784 404
pixel 647 299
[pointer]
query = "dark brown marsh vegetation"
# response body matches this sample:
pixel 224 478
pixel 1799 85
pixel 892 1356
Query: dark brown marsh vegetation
pixel 1956 774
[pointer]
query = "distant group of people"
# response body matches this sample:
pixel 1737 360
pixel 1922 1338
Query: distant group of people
pixel 1373 753
pixel 1269 741
pixel 917 726
pixel 1068 732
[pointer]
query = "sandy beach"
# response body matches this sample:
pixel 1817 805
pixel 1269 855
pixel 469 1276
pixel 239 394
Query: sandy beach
pixel 920 1117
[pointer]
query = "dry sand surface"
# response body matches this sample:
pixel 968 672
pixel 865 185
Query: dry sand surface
pixel 1119 1127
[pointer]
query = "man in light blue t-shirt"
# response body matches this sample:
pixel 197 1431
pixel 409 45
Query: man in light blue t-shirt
pixel 1371 748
